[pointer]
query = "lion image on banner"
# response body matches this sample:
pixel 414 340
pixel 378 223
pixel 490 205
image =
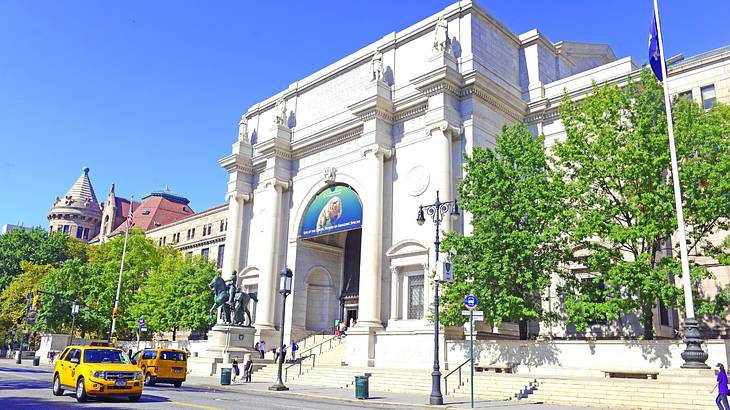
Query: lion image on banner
pixel 330 214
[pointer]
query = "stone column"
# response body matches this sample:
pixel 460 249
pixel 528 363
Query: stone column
pixel 395 293
pixel 269 245
pixel 441 165
pixel 234 233
pixel 372 237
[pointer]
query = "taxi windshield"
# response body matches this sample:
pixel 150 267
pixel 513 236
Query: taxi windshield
pixel 168 355
pixel 105 356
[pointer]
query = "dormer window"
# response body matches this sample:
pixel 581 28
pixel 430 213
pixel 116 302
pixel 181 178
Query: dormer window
pixel 146 212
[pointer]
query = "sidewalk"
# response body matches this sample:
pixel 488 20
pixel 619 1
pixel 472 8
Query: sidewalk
pixel 377 399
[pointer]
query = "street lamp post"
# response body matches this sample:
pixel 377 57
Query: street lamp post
pixel 285 281
pixel 74 312
pixel 29 298
pixel 436 211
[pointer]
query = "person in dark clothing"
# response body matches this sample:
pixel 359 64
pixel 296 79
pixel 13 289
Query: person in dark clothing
pixel 247 370
pixel 722 390
pixel 236 370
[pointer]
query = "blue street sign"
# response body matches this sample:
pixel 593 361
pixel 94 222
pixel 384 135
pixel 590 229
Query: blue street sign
pixel 140 321
pixel 471 302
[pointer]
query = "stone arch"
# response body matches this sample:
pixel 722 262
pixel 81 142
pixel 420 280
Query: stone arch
pixel 319 287
pixel 314 189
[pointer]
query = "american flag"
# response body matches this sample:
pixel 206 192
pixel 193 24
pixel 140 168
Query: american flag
pixel 130 217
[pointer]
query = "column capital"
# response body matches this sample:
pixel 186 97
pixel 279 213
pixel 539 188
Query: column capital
pixel 278 184
pixel 377 150
pixel 445 127
pixel 239 196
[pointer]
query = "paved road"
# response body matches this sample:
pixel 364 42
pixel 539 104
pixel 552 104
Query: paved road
pixel 25 387
pixel 22 387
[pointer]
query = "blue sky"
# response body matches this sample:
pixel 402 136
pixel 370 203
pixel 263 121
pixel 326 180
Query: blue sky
pixel 149 93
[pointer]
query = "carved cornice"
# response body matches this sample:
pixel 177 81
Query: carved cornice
pixel 276 146
pixel 411 112
pixel 493 102
pixel 377 113
pixel 546 115
pixel 236 163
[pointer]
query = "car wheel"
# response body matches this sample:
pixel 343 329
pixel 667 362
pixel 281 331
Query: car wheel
pixel 81 395
pixel 135 398
pixel 148 381
pixel 57 390
pixel 178 384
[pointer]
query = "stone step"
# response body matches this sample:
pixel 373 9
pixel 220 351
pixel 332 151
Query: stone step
pixel 626 403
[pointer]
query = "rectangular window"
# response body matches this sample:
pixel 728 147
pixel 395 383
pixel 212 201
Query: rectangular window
pixel 708 96
pixel 164 240
pixel 222 226
pixel 86 233
pixel 221 251
pixel 204 231
pixel 65 228
pixel 189 255
pixel 415 297
pixel 204 253
pixel 687 95
pixel 79 232
pixel 192 233
pixel 663 314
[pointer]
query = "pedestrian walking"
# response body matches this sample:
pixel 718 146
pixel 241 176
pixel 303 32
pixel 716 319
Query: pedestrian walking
pixel 262 348
pixel 236 371
pixel 342 327
pixel 248 370
pixel 129 354
pixel 294 348
pixel 721 385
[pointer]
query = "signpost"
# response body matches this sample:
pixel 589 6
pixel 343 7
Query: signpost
pixel 141 327
pixel 471 303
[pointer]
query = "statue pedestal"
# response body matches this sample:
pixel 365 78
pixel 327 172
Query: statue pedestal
pixel 225 344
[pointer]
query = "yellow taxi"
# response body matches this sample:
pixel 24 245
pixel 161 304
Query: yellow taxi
pixel 162 366
pixel 96 370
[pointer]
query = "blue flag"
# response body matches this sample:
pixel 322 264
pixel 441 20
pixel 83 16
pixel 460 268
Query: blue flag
pixel 654 55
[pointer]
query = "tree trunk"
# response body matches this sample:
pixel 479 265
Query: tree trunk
pixel 174 332
pixel 522 323
pixel 647 322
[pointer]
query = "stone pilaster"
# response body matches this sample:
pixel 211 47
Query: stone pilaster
pixel 269 246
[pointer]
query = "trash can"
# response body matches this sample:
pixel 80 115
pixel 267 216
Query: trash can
pixel 225 376
pixel 361 387
pixel 36 360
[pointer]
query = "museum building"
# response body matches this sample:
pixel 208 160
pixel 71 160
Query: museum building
pixel 326 177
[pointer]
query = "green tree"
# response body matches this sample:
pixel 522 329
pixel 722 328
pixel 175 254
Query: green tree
pixel 518 215
pixel 616 161
pixel 35 246
pixel 61 286
pixel 13 302
pixel 175 295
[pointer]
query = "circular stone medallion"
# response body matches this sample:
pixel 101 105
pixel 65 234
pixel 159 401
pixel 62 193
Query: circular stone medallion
pixel 417 179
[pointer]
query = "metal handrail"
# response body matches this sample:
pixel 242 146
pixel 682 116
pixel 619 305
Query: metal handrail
pixel 446 378
pixel 319 345
pixel 299 362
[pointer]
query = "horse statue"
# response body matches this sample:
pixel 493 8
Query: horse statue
pixel 241 314
pixel 220 288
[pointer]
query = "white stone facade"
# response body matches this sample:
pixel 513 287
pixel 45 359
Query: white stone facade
pixel 396 139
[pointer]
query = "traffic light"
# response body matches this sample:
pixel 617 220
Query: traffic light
pixel 115 313
pixel 36 300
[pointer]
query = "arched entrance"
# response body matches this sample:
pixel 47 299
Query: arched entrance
pixel 329 250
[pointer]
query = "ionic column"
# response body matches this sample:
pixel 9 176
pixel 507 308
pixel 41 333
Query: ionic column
pixel 441 164
pixel 372 237
pixel 268 281
pixel 233 234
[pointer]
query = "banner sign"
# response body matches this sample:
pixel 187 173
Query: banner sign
pixel 335 209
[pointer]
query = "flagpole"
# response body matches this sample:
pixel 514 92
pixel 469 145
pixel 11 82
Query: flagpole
pixel 121 270
pixel 694 356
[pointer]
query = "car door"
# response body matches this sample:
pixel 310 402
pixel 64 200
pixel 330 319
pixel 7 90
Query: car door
pixel 69 369
pixel 60 364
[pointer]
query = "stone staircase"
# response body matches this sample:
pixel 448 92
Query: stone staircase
pixel 673 389
pixel 680 392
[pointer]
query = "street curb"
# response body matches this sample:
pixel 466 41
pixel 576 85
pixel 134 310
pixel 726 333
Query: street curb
pixel 290 393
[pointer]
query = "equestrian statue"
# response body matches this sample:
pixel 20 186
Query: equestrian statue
pixel 232 301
